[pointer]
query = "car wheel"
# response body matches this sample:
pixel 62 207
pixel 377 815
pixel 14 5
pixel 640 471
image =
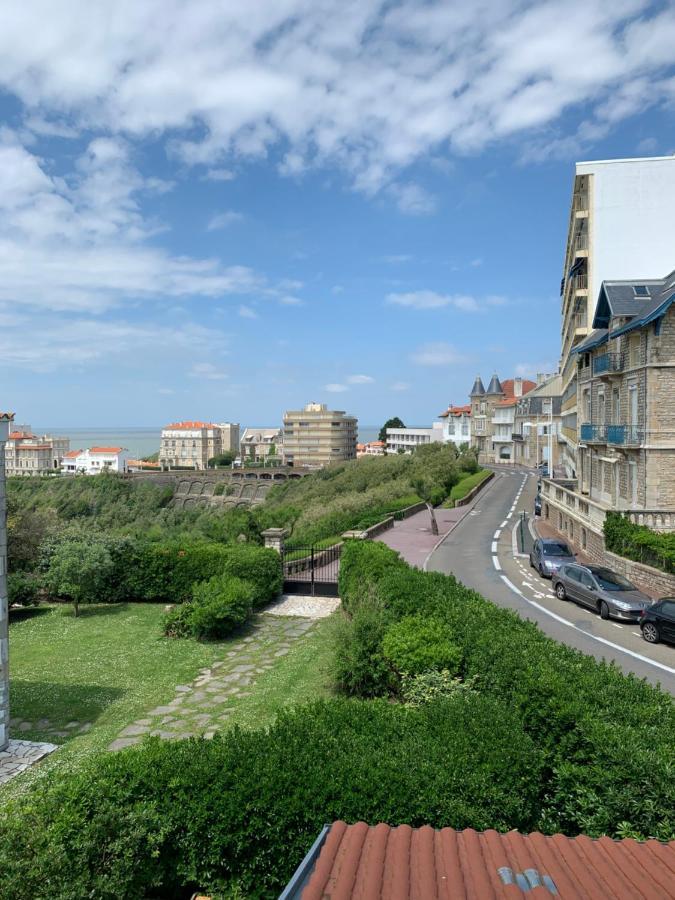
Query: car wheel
pixel 531 563
pixel 604 610
pixel 560 591
pixel 650 633
pixel 541 571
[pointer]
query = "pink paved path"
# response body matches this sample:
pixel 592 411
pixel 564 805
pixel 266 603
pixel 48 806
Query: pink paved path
pixel 412 537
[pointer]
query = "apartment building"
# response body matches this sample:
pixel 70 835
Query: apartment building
pixel 620 227
pixel 405 440
pixel 493 413
pixel 259 444
pixel 5 424
pixel 626 390
pixel 192 444
pixel 372 448
pixel 317 436
pixel 456 426
pixel 96 460
pixel 537 424
pixel 31 454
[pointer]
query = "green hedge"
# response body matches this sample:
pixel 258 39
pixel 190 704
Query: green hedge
pixel 639 542
pixel 608 738
pixel 242 811
pixel 462 488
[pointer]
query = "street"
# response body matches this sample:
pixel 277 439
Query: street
pixel 479 552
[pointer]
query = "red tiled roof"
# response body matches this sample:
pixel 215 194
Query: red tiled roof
pixel 71 454
pixel 106 449
pixel 508 387
pixel 20 435
pixel 511 402
pixel 422 864
pixel 188 425
pixel 455 411
pixel 376 444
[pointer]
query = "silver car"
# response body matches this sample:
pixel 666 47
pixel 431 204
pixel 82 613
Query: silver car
pixel 601 590
pixel 548 555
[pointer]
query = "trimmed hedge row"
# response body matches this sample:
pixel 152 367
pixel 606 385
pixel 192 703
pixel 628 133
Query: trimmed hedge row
pixel 607 738
pixel 467 484
pixel 241 811
pixel 640 543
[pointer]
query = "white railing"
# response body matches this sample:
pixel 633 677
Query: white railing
pixel 568 501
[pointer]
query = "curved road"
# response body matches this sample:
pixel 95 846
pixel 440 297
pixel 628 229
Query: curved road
pixel 479 552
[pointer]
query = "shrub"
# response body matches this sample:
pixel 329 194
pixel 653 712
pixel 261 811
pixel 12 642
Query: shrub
pixel 22 588
pixel 415 644
pixel 359 667
pixel 177 621
pixel 639 542
pixel 80 571
pixel 468 483
pixel 241 811
pixel 219 605
pixel 417 690
pixel 260 566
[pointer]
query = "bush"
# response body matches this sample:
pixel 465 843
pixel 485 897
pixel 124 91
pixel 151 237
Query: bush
pixel 414 645
pixel 260 566
pixel 177 621
pixel 468 483
pixel 219 605
pixel 240 812
pixel 427 687
pixel 22 588
pixel 359 667
pixel 640 543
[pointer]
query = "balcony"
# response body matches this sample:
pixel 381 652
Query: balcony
pixel 592 434
pixel 580 203
pixel 580 242
pixel 624 435
pixel 516 436
pixel 607 365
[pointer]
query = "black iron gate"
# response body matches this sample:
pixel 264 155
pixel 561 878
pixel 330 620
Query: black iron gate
pixel 311 571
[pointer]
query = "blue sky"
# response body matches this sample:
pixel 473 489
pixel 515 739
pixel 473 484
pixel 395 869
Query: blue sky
pixel 215 211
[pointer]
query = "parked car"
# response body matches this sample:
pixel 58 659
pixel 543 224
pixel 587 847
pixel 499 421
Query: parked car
pixel 657 622
pixel 542 468
pixel 601 590
pixel 537 505
pixel 546 556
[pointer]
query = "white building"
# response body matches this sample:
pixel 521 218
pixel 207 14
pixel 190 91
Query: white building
pixel 95 460
pixel 456 425
pixel 620 228
pixel 372 448
pixel 408 439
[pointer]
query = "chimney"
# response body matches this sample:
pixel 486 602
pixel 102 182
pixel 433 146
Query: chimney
pixel 517 387
pixel 541 378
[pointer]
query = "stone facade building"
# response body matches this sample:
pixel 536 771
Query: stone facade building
pixel 29 454
pixel 493 417
pixel 192 444
pixel 317 436
pixel 261 444
pixel 5 420
pixel 537 421
pixel 626 400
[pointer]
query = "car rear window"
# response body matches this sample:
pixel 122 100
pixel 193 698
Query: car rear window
pixel 610 581
pixel 557 548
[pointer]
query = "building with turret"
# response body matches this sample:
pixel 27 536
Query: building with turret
pixel 493 417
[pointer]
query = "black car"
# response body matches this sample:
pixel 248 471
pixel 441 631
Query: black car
pixel 537 505
pixel 658 622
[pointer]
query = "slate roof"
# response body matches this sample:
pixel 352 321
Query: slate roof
pixel 495 386
pixel 618 299
pixel 477 390
pixel 594 339
pixel 383 863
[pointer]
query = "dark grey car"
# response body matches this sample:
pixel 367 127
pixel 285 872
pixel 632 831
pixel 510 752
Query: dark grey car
pixel 601 590
pixel 547 555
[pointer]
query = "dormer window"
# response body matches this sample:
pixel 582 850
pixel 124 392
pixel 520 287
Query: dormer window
pixel 640 290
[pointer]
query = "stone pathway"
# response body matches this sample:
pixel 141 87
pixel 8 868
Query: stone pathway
pixel 44 726
pixel 301 605
pixel 20 755
pixel 204 706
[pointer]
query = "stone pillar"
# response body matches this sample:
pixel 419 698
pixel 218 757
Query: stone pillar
pixel 274 538
pixel 5 419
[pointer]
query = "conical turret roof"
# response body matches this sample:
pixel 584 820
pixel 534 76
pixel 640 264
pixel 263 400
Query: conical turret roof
pixel 495 386
pixel 477 390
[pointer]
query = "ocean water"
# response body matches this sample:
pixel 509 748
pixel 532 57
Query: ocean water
pixel 142 441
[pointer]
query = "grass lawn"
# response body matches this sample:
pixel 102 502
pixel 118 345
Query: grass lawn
pixel 112 664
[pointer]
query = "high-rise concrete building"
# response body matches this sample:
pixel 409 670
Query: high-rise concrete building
pixel 620 227
pixel 316 436
pixel 5 420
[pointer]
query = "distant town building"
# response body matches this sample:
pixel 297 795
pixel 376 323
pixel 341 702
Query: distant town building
pixel 536 431
pixel 493 417
pixel 405 440
pixel 456 425
pixel 5 424
pixel 96 460
pixel 625 376
pixel 317 436
pixel 620 227
pixel 31 454
pixel 192 444
pixel 372 448
pixel 257 444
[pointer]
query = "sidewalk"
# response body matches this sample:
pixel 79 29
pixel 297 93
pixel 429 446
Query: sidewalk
pixel 412 537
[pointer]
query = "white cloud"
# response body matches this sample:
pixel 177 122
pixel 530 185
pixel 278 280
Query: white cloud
pixel 224 220
pixel 219 175
pixel 395 258
pixel 336 388
pixel 413 199
pixel 432 300
pixel 290 300
pixel 208 372
pixel 437 354
pixel 400 386
pixel 360 379
pixel 365 85
pixel 246 312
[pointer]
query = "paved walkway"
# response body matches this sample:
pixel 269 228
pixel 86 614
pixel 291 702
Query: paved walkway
pixel 20 755
pixel 205 705
pixel 412 537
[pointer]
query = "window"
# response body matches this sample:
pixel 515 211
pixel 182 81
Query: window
pixel 640 290
pixel 610 581
pixel 465 429
pixel 634 345
pixel 586 579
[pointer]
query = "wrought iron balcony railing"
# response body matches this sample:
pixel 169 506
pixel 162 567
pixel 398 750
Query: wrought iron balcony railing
pixel 607 364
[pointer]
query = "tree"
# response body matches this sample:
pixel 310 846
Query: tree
pixel 426 492
pixel 226 458
pixel 79 570
pixel 390 423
